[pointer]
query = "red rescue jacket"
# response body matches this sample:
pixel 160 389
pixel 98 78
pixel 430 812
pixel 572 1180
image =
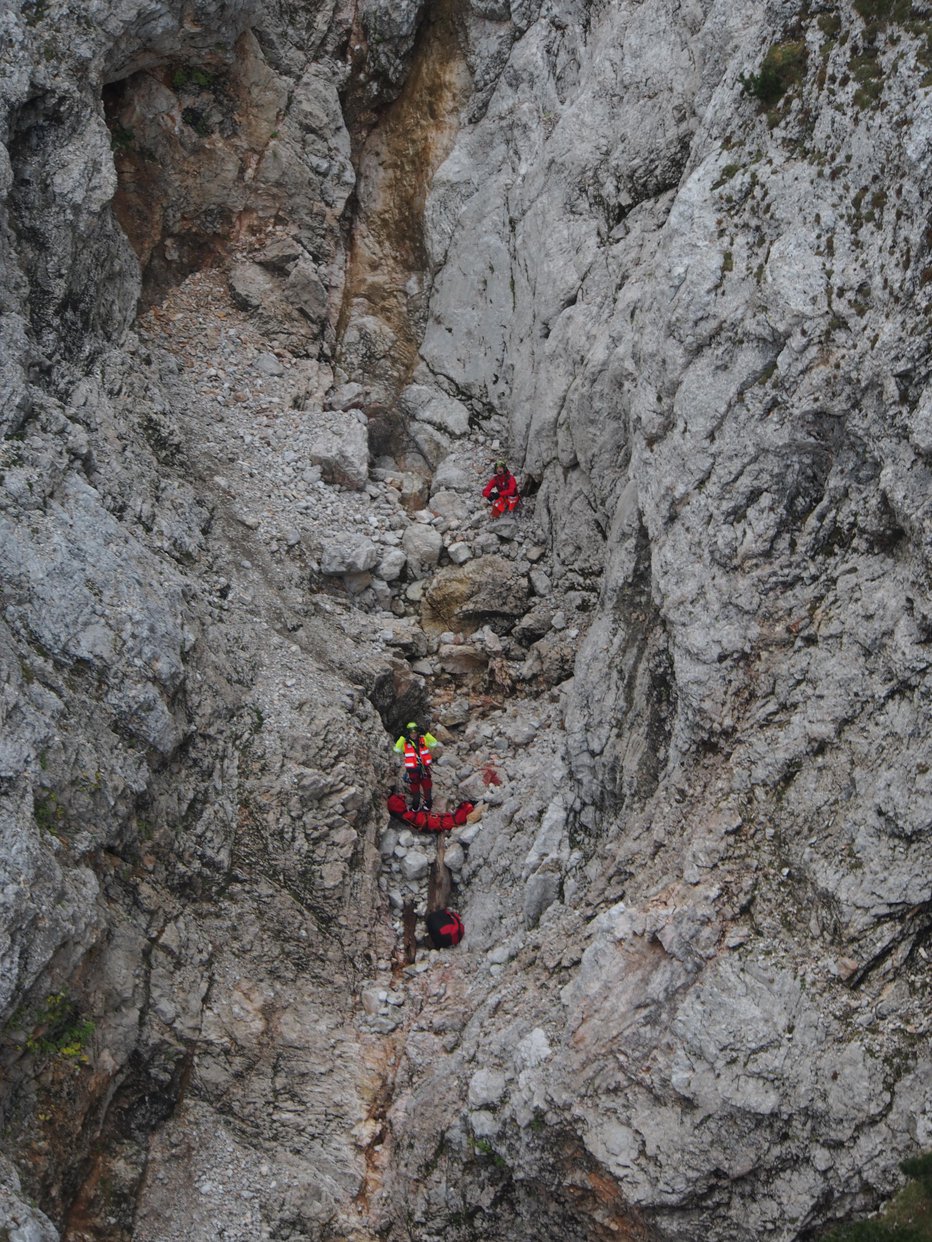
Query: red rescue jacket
pixel 411 753
pixel 504 484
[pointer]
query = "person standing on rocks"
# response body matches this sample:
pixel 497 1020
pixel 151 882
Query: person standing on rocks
pixel 415 747
pixel 502 490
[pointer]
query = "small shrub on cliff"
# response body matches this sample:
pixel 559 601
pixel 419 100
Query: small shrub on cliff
pixel 34 11
pixel 48 812
pixel 868 73
pixel 830 25
pixel 121 138
pixel 784 66
pixel 188 78
pixel 908 1216
pixel 877 11
pixel 920 1170
pixel 197 121
pixel 60 1030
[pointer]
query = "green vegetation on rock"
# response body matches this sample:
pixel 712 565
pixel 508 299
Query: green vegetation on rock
pixel 908 1216
pixel 189 77
pixel 60 1030
pixel 784 66
pixel 876 11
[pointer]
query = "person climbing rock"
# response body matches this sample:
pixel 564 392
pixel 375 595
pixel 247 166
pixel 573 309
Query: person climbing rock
pixel 415 747
pixel 502 490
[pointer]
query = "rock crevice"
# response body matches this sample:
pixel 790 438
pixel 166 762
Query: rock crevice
pixel 377 248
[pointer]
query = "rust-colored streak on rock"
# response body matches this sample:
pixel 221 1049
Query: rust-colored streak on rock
pixel 594 1195
pixel 395 163
pixel 409 931
pixel 187 146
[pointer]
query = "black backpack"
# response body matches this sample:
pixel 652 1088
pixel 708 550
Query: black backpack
pixel 445 928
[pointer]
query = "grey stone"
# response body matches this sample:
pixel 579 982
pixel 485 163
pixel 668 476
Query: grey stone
pixel 281 254
pixel 392 564
pixel 346 397
pixel 540 891
pixel 449 504
pixel 372 999
pixel 305 290
pixel 454 857
pixel 433 406
pixel 473 789
pixel 486 1088
pixel 339 445
pixel 268 364
pixel 451 476
pixel 414 865
pixel 454 713
pixel 422 546
pixel 250 285
pixel 540 583
pixel 348 554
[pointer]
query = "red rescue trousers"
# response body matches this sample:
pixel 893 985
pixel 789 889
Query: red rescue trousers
pixel 504 504
pixel 419 782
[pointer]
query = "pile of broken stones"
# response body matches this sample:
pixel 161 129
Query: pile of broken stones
pixel 380 514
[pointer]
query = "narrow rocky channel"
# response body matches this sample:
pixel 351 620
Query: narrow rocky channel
pixel 278 284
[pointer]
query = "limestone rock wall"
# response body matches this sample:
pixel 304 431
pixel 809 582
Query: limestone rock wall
pixel 700 316
pixel 375 246
pixel 164 930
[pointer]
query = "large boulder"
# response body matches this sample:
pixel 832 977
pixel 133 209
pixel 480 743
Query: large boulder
pixel 429 405
pixel 306 292
pixel 462 659
pixel 422 545
pixel 340 446
pixel 250 285
pixel 392 564
pixel 464 597
pixel 348 554
pixel 451 476
pixel 449 504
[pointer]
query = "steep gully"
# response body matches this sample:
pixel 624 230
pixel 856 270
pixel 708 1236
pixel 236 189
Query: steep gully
pixel 102 1195
pixel 394 159
pixel 393 303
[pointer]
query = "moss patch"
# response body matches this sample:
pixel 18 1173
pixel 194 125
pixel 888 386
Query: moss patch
pixel 783 67
pixel 59 1029
pixel 907 1217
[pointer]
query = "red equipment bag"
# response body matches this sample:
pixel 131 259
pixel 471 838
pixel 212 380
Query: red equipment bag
pixel 445 928
pixel 429 821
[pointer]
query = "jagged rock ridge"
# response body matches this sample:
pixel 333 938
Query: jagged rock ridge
pixel 691 684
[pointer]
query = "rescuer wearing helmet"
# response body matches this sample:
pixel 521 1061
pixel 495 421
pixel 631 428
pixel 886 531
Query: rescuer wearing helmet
pixel 415 746
pixel 502 490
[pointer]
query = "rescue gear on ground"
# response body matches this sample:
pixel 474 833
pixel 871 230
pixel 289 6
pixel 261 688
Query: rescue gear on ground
pixel 502 490
pixel 445 928
pixel 427 820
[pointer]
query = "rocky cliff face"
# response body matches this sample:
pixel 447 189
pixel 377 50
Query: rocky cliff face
pixel 278 283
